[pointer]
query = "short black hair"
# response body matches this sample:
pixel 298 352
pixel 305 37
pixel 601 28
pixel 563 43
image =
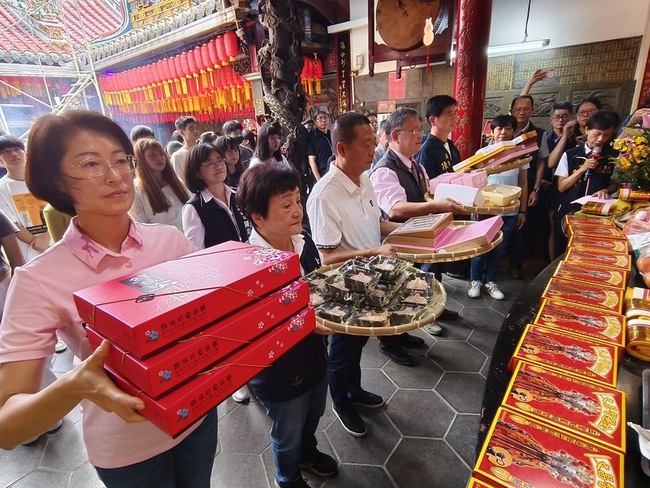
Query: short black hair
pixel 593 100
pixel 198 155
pixel 48 144
pixel 436 105
pixel 10 142
pixel 561 106
pixel 183 122
pixel 141 132
pixel 345 127
pixel 208 137
pixel 504 120
pixel 259 183
pixel 520 97
pixel 232 126
pixel 603 120
pixel 224 143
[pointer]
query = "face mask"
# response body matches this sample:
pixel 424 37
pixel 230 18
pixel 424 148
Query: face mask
pixel 238 139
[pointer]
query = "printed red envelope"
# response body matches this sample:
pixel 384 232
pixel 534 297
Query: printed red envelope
pixel 595 325
pixel 590 274
pixel 603 260
pixel 521 451
pixel 570 353
pixel 598 245
pixel 588 221
pixel 582 407
pixel 588 295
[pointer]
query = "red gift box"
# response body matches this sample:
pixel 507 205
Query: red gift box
pixel 596 325
pixel 147 310
pixel 572 354
pixel 587 295
pixel 477 483
pixel 175 365
pixel 521 451
pixel 178 410
pixel 582 407
pixel 590 274
pixel 615 246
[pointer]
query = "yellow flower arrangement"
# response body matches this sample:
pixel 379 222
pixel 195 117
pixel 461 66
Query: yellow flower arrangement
pixel 633 161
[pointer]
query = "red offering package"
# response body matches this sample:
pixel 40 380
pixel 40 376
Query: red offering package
pixel 582 407
pixel 588 295
pixel 614 246
pixel 521 451
pixel 589 274
pixel 176 364
pixel 595 325
pixel 572 354
pixel 602 260
pixel 154 307
pixel 175 412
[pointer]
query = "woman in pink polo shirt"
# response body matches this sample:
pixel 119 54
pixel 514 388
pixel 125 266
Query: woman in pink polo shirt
pixel 81 162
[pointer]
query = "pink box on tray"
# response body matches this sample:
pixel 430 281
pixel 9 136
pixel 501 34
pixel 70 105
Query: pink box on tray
pixel 175 365
pixel 175 412
pixel 154 307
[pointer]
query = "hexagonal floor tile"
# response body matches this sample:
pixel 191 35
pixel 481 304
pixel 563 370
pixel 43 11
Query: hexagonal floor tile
pixel 426 463
pixel 372 449
pixel 238 470
pixel 419 413
pixel 463 391
pixel 463 435
pixel 424 375
pixel 457 356
pixel 371 357
pixel 482 317
pixel 484 340
pixel 44 477
pixel 241 430
pixel 84 477
pixel 376 381
pixel 20 461
pixel 454 330
pixel 354 475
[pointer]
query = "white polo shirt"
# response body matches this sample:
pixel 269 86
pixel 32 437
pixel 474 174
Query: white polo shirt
pixel 342 214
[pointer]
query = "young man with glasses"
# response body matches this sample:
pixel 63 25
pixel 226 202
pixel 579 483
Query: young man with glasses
pixel 401 183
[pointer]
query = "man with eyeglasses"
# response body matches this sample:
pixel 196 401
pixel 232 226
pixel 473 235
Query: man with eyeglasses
pixel 319 143
pixel 524 239
pixel 401 183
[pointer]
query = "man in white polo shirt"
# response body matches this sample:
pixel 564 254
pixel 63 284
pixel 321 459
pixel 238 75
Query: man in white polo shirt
pixel 346 221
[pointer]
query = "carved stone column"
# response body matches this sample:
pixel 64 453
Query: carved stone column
pixel 470 73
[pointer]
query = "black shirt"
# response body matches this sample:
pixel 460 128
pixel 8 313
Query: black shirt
pixel 435 158
pixel 319 144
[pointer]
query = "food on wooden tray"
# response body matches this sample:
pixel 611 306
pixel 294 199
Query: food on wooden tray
pixel 336 290
pixel 381 295
pixel 405 314
pixel 333 311
pixel 369 318
pixel 357 263
pixel 412 297
pixel 316 281
pixel 360 280
pixel 316 299
pixel 419 281
pixel 389 268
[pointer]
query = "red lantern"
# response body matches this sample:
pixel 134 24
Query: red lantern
pixel 221 50
pixel 214 54
pixel 231 45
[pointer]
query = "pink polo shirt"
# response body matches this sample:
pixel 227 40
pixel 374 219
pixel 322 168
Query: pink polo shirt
pixel 40 304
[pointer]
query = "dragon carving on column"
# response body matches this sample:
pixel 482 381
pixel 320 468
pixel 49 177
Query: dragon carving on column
pixel 281 62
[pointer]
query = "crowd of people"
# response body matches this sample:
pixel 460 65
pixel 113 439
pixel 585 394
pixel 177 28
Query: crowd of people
pixel 104 189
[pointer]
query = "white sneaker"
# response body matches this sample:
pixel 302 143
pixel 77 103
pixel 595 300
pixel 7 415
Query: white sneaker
pixel 474 289
pixel 433 328
pixel 241 395
pixel 60 346
pixel 494 291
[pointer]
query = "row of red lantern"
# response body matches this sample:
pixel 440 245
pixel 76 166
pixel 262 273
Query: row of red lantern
pixel 312 71
pixel 201 117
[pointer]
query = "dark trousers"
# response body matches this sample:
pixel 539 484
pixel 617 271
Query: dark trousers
pixel 345 367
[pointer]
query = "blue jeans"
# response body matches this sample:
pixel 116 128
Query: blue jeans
pixel 293 432
pixel 488 264
pixel 345 367
pixel 187 465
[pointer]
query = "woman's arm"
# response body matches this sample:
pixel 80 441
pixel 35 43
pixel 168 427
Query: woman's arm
pixel 26 412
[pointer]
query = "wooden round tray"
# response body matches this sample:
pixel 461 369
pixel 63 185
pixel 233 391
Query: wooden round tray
pixel 446 257
pixel 486 210
pixel 433 311
pixel 500 168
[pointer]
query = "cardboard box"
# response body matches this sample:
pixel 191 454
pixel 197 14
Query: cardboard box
pixel 521 451
pixel 601 260
pixel 498 195
pixel 587 220
pixel 587 295
pixel 614 246
pixel 466 237
pixel 178 410
pixel 489 154
pixel 478 483
pixel 572 354
pixel 177 364
pixel 582 407
pixel 595 325
pixel 147 310
pixel 587 232
pixel 420 230
pixel 588 274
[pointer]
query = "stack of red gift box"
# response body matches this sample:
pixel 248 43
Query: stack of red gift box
pixel 187 333
pixel 562 420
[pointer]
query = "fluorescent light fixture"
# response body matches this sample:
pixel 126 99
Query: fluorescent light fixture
pixel 517 47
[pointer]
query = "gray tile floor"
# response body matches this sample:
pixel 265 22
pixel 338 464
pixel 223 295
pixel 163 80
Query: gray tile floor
pixel 424 437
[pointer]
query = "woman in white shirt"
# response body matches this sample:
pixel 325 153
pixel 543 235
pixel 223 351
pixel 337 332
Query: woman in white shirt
pixel 159 194
pixel 269 141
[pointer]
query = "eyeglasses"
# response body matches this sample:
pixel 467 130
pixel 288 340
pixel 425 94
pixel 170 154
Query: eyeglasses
pixel 416 132
pixel 561 117
pixel 586 113
pixel 10 150
pixel 212 164
pixel 98 167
